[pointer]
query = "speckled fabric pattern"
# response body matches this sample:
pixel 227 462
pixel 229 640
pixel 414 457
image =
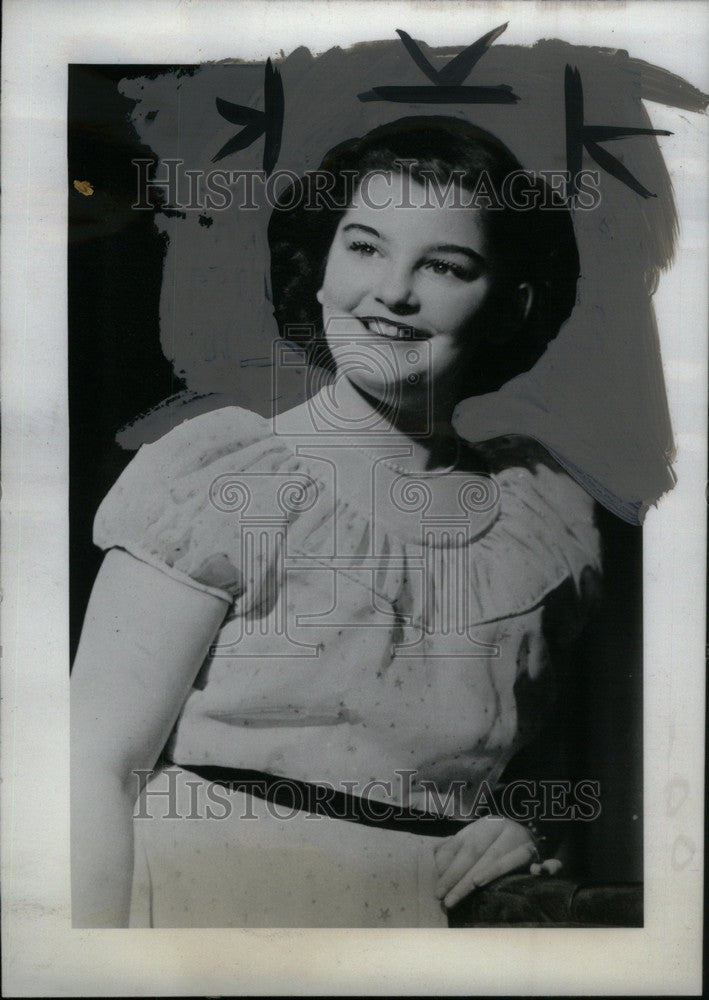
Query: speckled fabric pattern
pixel 256 865
pixel 376 624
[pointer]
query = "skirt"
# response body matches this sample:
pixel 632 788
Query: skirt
pixel 206 856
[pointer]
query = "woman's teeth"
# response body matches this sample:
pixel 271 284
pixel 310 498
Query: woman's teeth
pixel 391 330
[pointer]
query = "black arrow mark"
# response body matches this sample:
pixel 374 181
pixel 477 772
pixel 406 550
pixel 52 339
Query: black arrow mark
pixel 447 82
pixel 267 123
pixel 580 136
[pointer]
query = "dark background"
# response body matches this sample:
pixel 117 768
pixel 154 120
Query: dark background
pixel 117 370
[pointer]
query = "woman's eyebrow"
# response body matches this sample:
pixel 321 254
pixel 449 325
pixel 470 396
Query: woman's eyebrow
pixel 455 248
pixel 365 229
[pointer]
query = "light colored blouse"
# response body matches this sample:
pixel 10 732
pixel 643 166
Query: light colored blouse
pixel 384 630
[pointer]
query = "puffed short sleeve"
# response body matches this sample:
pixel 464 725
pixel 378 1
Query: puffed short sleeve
pixel 544 550
pixel 162 511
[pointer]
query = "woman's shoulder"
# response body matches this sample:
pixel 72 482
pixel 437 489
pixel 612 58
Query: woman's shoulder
pixel 525 469
pixel 547 529
pixel 515 451
pixel 175 503
pixel 206 436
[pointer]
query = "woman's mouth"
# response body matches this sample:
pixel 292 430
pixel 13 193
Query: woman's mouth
pixel 392 330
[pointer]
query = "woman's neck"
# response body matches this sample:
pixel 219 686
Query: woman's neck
pixel 426 431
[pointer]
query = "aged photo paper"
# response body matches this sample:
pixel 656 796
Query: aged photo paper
pixel 354 466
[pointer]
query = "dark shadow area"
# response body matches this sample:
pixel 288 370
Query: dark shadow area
pixel 594 731
pixel 115 254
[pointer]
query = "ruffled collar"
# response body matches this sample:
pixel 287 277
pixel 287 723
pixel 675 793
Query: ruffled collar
pixel 364 472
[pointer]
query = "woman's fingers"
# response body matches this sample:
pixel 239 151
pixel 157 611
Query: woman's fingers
pixel 460 890
pixel 444 854
pixel 483 839
pixel 487 870
pixel 463 862
pixel 482 852
pixel 477 837
pixel 466 863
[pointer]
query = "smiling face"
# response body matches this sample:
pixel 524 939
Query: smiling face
pixel 406 293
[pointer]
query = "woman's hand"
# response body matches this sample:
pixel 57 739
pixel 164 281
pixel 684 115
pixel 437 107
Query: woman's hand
pixel 483 851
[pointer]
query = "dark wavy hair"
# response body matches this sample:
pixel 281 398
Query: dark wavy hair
pixel 535 245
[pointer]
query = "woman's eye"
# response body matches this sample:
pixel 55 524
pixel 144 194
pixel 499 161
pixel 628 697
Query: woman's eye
pixel 449 267
pixel 364 249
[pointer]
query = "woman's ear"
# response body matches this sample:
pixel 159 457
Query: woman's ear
pixel 319 296
pixel 515 310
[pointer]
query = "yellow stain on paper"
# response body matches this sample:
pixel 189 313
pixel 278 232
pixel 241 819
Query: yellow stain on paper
pixel 84 187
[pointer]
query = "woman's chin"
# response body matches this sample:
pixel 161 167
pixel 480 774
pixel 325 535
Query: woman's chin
pixel 389 395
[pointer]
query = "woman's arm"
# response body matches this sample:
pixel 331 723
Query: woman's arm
pixel 145 637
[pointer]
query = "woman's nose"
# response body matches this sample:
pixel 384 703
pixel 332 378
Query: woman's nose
pixel 396 290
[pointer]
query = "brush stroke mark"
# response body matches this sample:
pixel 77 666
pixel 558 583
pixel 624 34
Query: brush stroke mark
pixel 580 136
pixel 447 82
pixel 596 399
pixel 267 123
pixel 288 715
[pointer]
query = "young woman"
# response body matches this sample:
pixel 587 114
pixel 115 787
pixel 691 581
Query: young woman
pixel 336 627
